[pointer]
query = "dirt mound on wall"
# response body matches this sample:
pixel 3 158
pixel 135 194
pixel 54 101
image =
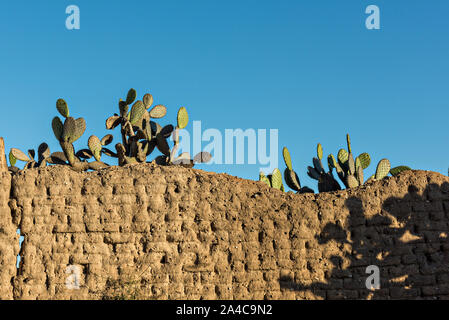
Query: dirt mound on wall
pixel 145 231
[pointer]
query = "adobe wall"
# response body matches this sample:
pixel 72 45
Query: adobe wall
pixel 145 231
pixel 9 240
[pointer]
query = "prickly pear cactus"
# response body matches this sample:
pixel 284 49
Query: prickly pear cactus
pixel 264 178
pixel 62 107
pixel 397 170
pixel 326 180
pixel 95 147
pixel 383 168
pixel 276 179
pixel 290 176
pixel 131 96
pixel 183 118
pixel 287 158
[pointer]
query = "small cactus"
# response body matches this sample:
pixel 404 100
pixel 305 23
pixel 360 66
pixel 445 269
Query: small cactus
pixel 264 179
pixel 349 170
pixel 326 180
pixel 290 176
pixel 68 132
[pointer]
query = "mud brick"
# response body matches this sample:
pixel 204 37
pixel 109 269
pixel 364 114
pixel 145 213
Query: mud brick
pixel 403 293
pixel 239 277
pixel 224 291
pixel 390 260
pixel 378 294
pixel 421 280
pixel 287 294
pixel 354 283
pixel 272 295
pixel 208 292
pixel 437 215
pixel 342 294
pixel 442 278
pixel 441 289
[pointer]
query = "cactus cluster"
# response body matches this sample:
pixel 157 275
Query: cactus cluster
pixel 349 170
pixel 67 133
pixel 44 157
pixel 140 136
pixel 273 180
pixel 326 180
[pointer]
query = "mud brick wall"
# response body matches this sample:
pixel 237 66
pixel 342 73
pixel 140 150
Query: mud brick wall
pixel 9 240
pixel 145 231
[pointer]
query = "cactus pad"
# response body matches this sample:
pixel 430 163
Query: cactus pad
pixel 318 166
pixel 167 131
pixel 276 179
pixel 62 107
pixel 287 158
pixel 95 146
pixel 123 107
pixel 351 164
pixel 68 133
pixel 312 173
pixel 19 155
pixel 107 139
pixel 12 159
pixel 263 177
pixel 365 160
pixel 132 94
pixel 383 168
pixel 319 151
pixel 43 151
pixel 158 111
pixel 331 161
pixel 162 145
pixel 57 128
pixel 112 122
pixel 292 180
pixel 397 170
pixel 342 157
pixel 137 112
pixel 348 141
pixel 352 181
pixel 84 154
pixel 79 128
pixel 359 174
pixel 58 158
pixel 147 100
pixel 183 118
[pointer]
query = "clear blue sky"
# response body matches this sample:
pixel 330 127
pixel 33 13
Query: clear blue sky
pixel 308 68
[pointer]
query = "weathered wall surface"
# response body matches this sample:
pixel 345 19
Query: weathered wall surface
pixel 9 240
pixel 172 233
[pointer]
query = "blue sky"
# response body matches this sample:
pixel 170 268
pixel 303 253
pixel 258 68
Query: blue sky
pixel 308 68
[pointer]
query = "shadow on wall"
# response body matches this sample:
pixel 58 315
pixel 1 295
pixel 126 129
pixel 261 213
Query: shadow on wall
pixel 411 250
